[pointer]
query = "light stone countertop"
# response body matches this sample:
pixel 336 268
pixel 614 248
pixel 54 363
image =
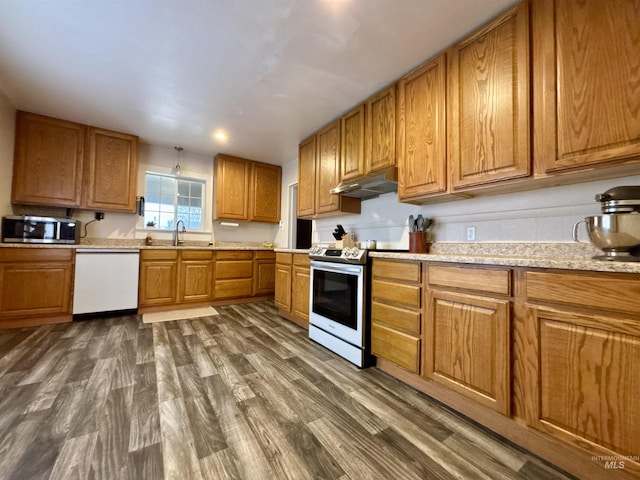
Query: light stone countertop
pixel 291 250
pixel 140 245
pixel 567 256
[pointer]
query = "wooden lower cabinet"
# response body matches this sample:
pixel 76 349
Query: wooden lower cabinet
pixel 300 284
pixel 292 287
pixel 467 346
pixel 234 274
pixel 195 276
pixel 546 358
pixel 35 286
pixel 396 312
pixel 583 386
pixel 177 277
pixel 283 281
pixel 158 284
pixel 264 279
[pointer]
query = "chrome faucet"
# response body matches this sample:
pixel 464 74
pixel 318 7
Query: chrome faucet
pixel 176 233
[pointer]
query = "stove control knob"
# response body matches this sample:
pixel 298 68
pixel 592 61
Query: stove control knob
pixel 351 252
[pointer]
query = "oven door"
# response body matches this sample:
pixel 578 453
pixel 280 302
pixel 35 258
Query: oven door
pixel 336 303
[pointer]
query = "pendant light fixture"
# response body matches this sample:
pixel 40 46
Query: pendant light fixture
pixel 177 169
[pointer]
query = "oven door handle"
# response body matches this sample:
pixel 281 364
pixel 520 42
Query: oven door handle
pixel 336 267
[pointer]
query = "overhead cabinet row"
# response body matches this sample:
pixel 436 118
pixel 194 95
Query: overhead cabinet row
pixel 539 92
pixel 66 164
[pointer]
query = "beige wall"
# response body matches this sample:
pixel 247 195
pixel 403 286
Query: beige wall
pixel 7 132
pixel 544 215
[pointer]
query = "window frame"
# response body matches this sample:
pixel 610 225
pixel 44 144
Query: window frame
pixel 176 179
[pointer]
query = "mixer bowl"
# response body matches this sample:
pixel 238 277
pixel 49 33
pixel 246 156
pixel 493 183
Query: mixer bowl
pixel 614 232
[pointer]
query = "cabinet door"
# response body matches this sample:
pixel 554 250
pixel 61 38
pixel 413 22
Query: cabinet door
pixel 264 277
pixel 352 148
pixel 112 171
pixel 587 101
pixel 307 177
pixel 232 186
pixel 301 283
pixel 328 168
pixel 195 280
pixel 584 386
pixel 381 130
pixel 48 161
pixel 467 346
pixel 35 289
pixel 283 287
pixel 488 99
pixel 422 136
pixel 158 283
pixel 264 193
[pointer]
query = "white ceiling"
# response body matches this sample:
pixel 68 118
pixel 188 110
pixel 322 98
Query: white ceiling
pixel 267 72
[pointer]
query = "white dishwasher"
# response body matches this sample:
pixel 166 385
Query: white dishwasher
pixel 106 280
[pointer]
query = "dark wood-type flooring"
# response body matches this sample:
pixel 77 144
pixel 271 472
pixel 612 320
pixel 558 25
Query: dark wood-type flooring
pixel 243 394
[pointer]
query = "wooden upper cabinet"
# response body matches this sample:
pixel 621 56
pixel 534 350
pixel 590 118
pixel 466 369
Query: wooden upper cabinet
pixel 319 172
pixel 307 177
pixel 380 130
pixel 48 162
pixel 421 134
pixel 247 190
pixel 328 168
pixel 55 161
pixel 585 67
pixel 112 170
pixel 488 102
pixel 232 187
pixel 353 139
pixel 265 193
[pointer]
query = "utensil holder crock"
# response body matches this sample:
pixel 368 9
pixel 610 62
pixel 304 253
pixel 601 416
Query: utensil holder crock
pixel 418 242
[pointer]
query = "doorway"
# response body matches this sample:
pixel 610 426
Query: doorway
pixel 300 231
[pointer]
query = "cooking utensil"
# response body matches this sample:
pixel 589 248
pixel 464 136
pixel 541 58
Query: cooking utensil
pixel 420 224
pixel 412 224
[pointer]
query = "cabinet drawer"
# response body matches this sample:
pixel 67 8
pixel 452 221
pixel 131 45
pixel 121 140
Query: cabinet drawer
pixel 397 347
pixel 405 271
pixel 407 295
pixel 36 254
pixel 284 258
pixel 398 318
pixel 478 279
pixel 234 255
pixel 160 254
pixel 234 288
pixel 238 269
pixel 196 254
pixel 302 260
pixel 265 255
pixel 584 290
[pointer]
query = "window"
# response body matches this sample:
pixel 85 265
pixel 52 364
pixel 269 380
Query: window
pixel 169 199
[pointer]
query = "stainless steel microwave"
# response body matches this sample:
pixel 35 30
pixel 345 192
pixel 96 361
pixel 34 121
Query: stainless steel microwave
pixel 40 230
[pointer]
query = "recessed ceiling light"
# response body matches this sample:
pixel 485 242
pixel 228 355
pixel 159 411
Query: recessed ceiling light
pixel 220 136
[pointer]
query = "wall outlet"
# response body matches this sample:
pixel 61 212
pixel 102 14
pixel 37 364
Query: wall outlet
pixel 471 234
pixel 281 224
pixel 99 215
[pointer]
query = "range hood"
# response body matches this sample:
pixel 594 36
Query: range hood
pixel 371 186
